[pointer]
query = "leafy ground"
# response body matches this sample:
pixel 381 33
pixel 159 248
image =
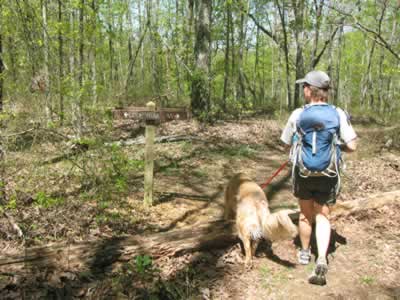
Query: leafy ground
pixel 57 194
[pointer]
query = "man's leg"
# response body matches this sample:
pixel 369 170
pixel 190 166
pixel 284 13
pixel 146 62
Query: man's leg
pixel 305 229
pixel 305 222
pixel 322 233
pixel 322 229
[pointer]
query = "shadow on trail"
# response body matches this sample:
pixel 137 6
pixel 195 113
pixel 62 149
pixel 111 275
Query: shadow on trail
pixel 335 239
pixel 266 248
pixel 209 200
pixel 274 187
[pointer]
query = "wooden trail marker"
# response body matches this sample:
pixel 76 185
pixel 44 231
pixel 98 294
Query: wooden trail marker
pixel 160 115
pixel 152 117
pixel 149 157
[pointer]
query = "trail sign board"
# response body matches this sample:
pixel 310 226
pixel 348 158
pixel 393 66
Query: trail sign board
pixel 159 115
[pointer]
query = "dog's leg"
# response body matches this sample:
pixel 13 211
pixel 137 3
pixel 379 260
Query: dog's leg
pixel 247 251
pixel 228 213
pixel 254 245
pixel 228 209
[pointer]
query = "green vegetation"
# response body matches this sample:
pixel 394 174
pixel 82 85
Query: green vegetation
pixel 43 200
pixel 367 280
pixel 238 151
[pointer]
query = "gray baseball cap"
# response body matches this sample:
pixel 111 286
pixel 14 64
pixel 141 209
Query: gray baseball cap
pixel 318 79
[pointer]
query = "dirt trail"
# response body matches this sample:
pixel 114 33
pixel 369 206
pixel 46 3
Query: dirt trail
pixel 363 256
pixel 365 245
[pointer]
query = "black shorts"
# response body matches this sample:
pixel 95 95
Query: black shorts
pixel 322 189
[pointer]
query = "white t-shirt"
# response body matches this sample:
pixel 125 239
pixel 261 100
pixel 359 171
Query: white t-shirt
pixel 347 133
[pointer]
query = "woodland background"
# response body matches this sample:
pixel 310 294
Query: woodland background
pixel 72 175
pixel 64 62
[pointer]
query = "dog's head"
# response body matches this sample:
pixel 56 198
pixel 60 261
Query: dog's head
pixel 279 226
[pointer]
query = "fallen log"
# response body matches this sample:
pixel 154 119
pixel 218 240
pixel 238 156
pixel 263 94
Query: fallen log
pixel 342 209
pixel 92 255
pixel 162 139
pixel 13 224
pixel 98 254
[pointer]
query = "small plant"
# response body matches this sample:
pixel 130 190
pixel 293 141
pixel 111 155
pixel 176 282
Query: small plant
pixel 45 201
pixel 103 204
pixel 265 271
pixel 200 173
pixel 170 169
pixel 272 278
pixel 101 219
pixel 239 151
pixel 85 142
pixel 187 146
pixel 121 184
pixel 12 204
pixel 143 263
pixel 368 280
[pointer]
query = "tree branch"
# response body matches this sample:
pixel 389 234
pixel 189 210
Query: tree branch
pixel 327 42
pixel 375 35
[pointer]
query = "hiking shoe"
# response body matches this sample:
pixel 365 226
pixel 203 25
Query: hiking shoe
pixel 318 275
pixel 304 256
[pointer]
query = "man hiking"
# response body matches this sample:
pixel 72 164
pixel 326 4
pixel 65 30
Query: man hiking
pixel 317 132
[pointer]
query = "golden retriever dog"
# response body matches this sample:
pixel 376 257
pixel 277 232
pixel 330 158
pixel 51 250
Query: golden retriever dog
pixel 246 202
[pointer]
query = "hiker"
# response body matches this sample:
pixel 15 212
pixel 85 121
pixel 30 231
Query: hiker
pixel 317 132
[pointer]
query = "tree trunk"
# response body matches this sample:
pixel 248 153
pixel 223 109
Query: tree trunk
pixel 72 45
pixel 79 107
pixel 336 96
pixel 299 15
pixel 256 75
pixel 240 87
pixel 200 82
pixel 227 51
pixel 388 91
pixel 110 45
pixel 142 57
pixel 93 54
pixel 48 107
pixel 368 90
pixel 282 17
pixel 177 45
pixel 318 13
pixel 60 65
pixel 189 35
pixel 152 20
pixel 2 177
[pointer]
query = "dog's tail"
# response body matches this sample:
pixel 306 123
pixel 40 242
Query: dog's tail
pixel 248 223
pixel 279 226
pixel 250 229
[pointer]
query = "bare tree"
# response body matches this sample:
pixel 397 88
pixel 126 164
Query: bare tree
pixel 2 179
pixel 282 16
pixel 48 106
pixel 93 52
pixel 298 6
pixel 228 24
pixel 60 64
pixel 200 82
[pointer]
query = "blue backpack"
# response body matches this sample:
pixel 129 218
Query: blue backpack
pixel 316 151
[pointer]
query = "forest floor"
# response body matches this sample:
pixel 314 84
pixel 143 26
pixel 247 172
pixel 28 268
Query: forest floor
pixel 190 177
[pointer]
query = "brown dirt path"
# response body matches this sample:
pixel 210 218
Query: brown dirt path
pixel 364 258
pixel 363 262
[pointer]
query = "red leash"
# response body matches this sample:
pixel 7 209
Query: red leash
pixel 264 185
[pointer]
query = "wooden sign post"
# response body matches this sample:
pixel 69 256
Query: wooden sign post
pixel 149 157
pixel 152 117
